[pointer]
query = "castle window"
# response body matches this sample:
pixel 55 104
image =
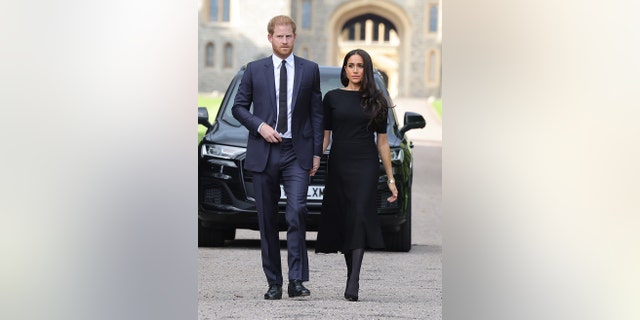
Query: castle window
pixel 432 66
pixel 209 55
pixel 433 18
pixel 306 14
pixel 219 10
pixel 228 55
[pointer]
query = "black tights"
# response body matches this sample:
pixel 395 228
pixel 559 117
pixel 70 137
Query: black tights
pixel 353 258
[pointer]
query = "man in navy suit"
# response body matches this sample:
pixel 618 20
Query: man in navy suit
pixel 284 147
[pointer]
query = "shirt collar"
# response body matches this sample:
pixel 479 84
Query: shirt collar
pixel 277 61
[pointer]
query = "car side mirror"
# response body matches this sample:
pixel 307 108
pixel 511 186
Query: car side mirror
pixel 203 117
pixel 412 120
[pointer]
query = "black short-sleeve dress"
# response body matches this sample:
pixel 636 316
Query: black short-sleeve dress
pixel 349 219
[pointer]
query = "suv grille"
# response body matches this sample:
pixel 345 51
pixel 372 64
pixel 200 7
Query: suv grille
pixel 320 178
pixel 216 194
pixel 382 200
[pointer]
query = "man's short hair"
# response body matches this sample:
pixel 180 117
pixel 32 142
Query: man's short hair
pixel 280 20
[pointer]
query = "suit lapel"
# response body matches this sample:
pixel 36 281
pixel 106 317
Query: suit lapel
pixel 270 80
pixel 297 81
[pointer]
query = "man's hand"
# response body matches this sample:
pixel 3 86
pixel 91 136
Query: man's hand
pixel 268 134
pixel 316 165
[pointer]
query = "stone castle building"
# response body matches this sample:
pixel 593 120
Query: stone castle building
pixel 402 36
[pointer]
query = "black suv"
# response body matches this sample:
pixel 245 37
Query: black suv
pixel 225 190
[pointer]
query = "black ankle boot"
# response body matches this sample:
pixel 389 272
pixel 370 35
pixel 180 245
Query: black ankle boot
pixel 353 278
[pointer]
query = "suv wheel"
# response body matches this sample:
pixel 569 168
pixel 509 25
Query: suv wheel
pixel 229 234
pixel 400 240
pixel 210 237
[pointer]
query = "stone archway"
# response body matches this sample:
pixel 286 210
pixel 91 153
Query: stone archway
pixel 379 27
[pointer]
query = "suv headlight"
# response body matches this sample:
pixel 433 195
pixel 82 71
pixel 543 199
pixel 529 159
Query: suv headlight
pixel 221 151
pixel 397 155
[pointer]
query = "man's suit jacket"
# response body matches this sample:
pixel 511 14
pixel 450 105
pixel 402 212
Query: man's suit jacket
pixel 258 86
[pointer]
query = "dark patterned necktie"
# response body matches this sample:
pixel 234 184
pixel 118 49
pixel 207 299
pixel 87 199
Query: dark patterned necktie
pixel 282 111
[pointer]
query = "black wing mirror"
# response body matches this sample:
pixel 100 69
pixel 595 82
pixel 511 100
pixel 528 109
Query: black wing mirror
pixel 412 120
pixel 203 117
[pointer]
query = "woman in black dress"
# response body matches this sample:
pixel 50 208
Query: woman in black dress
pixel 354 115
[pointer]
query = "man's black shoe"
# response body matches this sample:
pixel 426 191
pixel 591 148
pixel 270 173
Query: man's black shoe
pixel 274 293
pixel 296 289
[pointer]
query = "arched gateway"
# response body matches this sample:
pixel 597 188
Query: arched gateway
pixel 380 28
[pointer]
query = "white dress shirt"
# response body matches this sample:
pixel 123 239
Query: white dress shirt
pixel 277 64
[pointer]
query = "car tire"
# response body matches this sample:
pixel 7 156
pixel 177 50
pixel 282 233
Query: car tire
pixel 229 234
pixel 400 240
pixel 210 237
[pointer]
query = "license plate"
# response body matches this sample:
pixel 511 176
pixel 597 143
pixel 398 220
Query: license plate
pixel 313 192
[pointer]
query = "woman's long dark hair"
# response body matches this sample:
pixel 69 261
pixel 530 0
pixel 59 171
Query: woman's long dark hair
pixel 373 101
